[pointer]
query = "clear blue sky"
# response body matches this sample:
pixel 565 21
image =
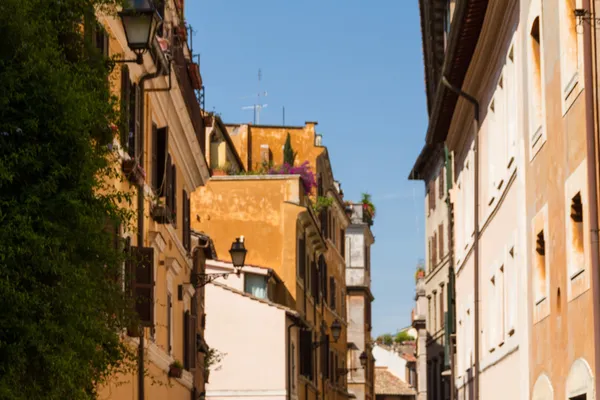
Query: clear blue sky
pixel 356 67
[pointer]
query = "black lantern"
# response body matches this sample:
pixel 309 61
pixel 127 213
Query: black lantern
pixel 238 253
pixel 336 330
pixel 363 359
pixel 140 21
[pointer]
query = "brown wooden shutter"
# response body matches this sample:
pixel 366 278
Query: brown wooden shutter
pixel 186 220
pixel 434 247
pixel 125 102
pixel 332 293
pixel 193 354
pixel 161 159
pixel 343 243
pixel 133 121
pixel 154 158
pixel 174 188
pixel 441 240
pixel 314 278
pixel 302 258
pixel 186 340
pixel 441 188
pixel 141 283
pixel 430 253
pixel 169 188
pixel 442 306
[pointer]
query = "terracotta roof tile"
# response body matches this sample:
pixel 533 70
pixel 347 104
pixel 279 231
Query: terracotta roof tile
pixel 389 384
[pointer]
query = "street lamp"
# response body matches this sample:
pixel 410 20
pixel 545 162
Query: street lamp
pixel 238 256
pixel 336 330
pixel 238 253
pixel 363 359
pixel 140 21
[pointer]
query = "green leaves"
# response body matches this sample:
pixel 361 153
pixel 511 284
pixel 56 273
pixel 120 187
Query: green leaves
pixel 62 302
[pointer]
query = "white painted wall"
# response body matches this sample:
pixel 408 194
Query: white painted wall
pixel 387 358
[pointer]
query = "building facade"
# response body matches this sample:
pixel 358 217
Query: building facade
pixel 359 240
pixel 161 152
pixel 431 168
pixel 294 224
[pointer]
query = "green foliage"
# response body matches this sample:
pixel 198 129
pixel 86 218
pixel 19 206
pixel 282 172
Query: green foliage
pixel 213 358
pixel 385 339
pixel 177 364
pixel 322 203
pixel 289 155
pixel 402 337
pixel 62 302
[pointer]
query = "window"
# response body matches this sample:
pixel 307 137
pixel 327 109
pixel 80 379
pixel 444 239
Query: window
pixel 441 188
pixel 541 284
pixel 314 282
pixel 332 293
pixel 343 243
pixel 171 190
pixel 256 285
pixel 511 107
pixel 576 247
pixel 441 241
pixel 129 95
pixel 189 341
pixel 159 159
pixel 306 354
pixel 140 270
pixel 434 313
pixel 187 231
pixel 569 58
pixel 434 245
pixel 301 261
pixel 535 98
pixel 431 194
pixel 442 306
pixel 430 253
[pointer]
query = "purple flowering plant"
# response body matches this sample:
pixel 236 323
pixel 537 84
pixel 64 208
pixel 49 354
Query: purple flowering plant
pixel 306 175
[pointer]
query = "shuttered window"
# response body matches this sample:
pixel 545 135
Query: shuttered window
pixel 141 283
pixel 159 159
pixel 332 293
pixel 325 370
pixel 187 240
pixel 441 188
pixel 134 122
pixel 174 194
pixel 323 273
pixel 306 354
pixel 301 262
pixel 343 243
pixel 441 241
pixel 314 281
pixel 125 104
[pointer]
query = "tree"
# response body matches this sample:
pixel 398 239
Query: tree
pixel 402 337
pixel 385 339
pixel 289 155
pixel 60 280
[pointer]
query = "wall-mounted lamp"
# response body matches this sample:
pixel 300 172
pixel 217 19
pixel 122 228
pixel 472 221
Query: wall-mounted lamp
pixel 364 359
pixel 336 332
pixel 581 14
pixel 140 20
pixel 238 257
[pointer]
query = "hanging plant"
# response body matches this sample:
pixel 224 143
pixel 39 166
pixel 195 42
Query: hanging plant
pixel 368 208
pixel 322 203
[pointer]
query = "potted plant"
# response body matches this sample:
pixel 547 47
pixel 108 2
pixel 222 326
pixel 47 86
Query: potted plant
pixel 419 273
pixel 176 369
pixel 160 213
pixel 134 171
pixel 348 209
pixel 322 203
pixel 212 357
pixel 222 170
pixel 368 208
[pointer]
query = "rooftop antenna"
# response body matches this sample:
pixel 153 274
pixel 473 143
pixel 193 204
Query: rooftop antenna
pixel 257 107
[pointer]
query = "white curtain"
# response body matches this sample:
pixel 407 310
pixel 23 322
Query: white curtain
pixel 256 285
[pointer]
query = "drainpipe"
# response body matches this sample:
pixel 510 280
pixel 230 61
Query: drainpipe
pixel 290 356
pixel 475 104
pixel 451 280
pixel 140 217
pixel 590 67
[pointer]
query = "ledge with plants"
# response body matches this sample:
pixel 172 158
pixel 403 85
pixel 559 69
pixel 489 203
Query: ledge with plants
pixel 322 203
pixel 368 208
pixel 176 369
pixel 212 358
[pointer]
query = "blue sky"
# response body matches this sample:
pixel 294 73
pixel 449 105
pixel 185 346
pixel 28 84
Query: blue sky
pixel 356 67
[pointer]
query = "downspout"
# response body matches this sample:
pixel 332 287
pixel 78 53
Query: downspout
pixel 451 279
pixel 475 104
pixel 140 218
pixel 290 355
pixel 589 62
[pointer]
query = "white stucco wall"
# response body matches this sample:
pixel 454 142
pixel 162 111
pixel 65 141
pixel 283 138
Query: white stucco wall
pixel 253 336
pixel 387 358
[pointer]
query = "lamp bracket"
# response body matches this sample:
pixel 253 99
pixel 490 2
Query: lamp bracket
pixel 344 371
pixel 139 59
pixel 583 15
pixel 201 280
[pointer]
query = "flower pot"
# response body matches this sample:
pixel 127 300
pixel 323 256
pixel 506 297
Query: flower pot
pixel 219 172
pixel 194 72
pixel 161 214
pixel 175 372
pixel 208 121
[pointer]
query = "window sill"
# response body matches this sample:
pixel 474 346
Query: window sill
pixel 576 274
pixel 537 141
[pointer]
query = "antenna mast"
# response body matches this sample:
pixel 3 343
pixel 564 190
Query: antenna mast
pixel 257 107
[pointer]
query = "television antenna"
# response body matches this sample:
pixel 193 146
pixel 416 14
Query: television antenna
pixel 257 107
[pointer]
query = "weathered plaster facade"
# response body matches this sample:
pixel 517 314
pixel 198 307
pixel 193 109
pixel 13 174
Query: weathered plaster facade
pixel 359 240
pixel 175 255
